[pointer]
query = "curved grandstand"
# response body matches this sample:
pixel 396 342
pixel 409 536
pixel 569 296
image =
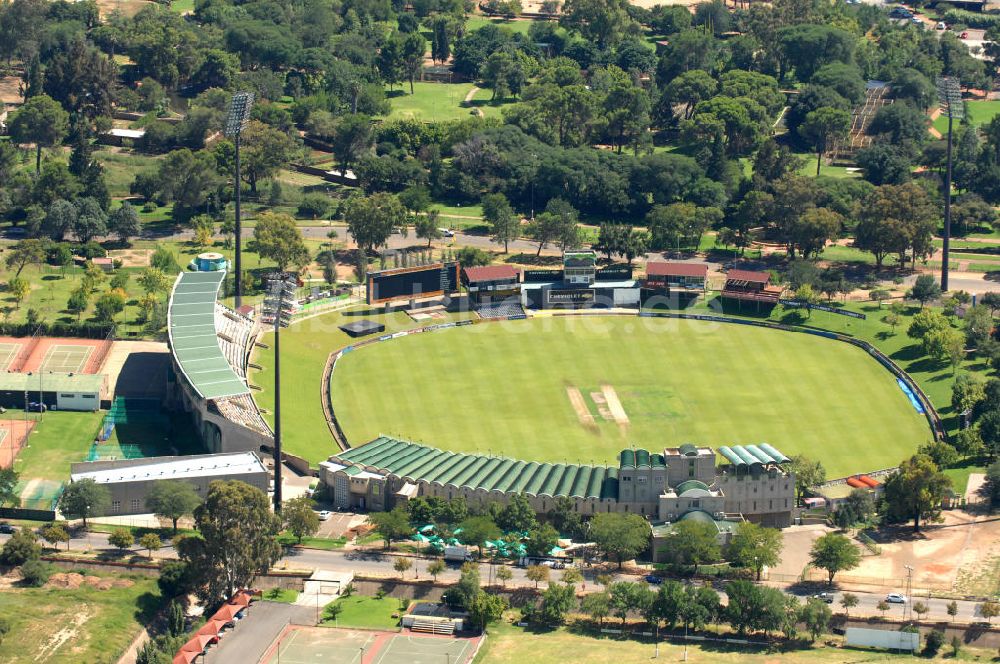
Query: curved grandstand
pixel 210 348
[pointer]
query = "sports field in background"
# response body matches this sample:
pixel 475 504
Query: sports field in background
pixel 546 390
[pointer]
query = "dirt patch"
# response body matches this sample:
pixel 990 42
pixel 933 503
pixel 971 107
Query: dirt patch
pixel 72 581
pixel 128 8
pixel 579 406
pixel 614 405
pixel 64 635
pixel 132 257
pixel 10 90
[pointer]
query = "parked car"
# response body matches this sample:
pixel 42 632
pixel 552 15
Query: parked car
pixel 941 25
pixel 7 529
pixel 37 407
pixel 652 578
pixel 900 12
pixel 823 597
pixel 446 232
pixel 324 515
pixel 895 598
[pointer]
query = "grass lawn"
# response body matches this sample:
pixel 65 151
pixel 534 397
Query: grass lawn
pixel 284 595
pixel 327 543
pixel 61 438
pixel 979 112
pixel 476 22
pixel 368 612
pixel 78 625
pixel 508 644
pixel 809 168
pixel 432 102
pixel 960 474
pixel 678 381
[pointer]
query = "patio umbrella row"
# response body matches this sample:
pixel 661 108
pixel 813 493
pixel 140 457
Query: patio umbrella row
pixel 209 632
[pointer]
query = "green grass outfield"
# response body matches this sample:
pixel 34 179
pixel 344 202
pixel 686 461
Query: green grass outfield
pixel 501 388
pixel 437 102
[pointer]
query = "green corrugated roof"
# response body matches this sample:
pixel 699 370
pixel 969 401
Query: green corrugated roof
pixel 626 459
pixel 49 381
pixel 657 461
pixel 688 485
pixel 193 340
pixel 687 449
pixel 641 457
pixel 421 463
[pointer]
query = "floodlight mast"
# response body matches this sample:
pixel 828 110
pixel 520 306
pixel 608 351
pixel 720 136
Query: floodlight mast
pixel 239 112
pixel 950 101
pixel 277 305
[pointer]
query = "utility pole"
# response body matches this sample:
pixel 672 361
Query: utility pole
pixel 950 101
pixel 239 112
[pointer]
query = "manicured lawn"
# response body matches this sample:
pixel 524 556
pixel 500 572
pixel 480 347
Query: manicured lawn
pixel 80 625
pixel 508 644
pixel 284 595
pixel 369 612
pixel 960 475
pixel 980 112
pixel 435 102
pixel 502 389
pixel 327 543
pixel 809 168
pixel 61 438
pixel 476 22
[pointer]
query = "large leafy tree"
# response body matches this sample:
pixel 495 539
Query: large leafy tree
pixel 264 150
pixel 834 553
pixel 807 473
pixel 477 530
pixel 372 219
pixel 82 79
pixel 84 499
pixel 823 127
pixel 621 537
pixel 300 518
pixel 8 484
pixel 755 547
pixel 916 491
pixel 896 219
pixel 505 224
pixel 42 121
pixel 694 543
pixel 188 178
pixel 605 22
pixel 237 542
pixel 391 525
pixel 172 499
pixel 279 239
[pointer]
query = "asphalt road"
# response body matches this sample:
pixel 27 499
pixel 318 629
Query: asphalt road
pixel 374 563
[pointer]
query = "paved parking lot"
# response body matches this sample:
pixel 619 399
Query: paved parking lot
pixel 255 633
pixel 339 523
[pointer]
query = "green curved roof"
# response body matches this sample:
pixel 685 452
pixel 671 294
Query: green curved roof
pixel 626 459
pixel 641 458
pixel 690 485
pixel 421 463
pixel 687 449
pixel 657 461
pixel 698 515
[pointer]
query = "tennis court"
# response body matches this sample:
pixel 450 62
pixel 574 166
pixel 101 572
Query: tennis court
pixel 62 358
pixel 300 646
pixel 411 649
pixel 8 351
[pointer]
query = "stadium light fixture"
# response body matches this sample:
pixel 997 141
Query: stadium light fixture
pixel 278 306
pixel 950 101
pixel 236 120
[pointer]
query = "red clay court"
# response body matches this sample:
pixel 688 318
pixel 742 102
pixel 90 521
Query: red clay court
pixel 55 354
pixel 13 434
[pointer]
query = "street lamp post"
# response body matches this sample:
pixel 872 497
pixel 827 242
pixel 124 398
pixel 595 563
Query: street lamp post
pixel 907 606
pixel 950 101
pixel 277 309
pixel 239 112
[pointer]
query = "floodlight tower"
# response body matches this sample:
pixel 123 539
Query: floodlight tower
pixel 950 100
pixel 239 112
pixel 278 310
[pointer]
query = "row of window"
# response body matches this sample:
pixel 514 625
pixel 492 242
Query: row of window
pixel 116 506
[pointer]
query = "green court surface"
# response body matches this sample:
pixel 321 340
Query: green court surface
pixel 539 390
pixel 320 645
pixel 343 646
pixel 8 351
pixel 409 649
pixel 66 358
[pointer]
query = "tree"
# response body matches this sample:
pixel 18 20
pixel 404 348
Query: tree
pixel 172 499
pixel 517 515
pixel 620 536
pixel 77 302
pixel 882 606
pixel 597 606
pixel 823 127
pixel 20 548
pixel 352 138
pixel 9 495
pixel 557 224
pixel 626 597
pixel 150 542
pixel 989 610
pixel 541 540
pixel 849 601
pixel 121 538
pixel 834 553
pixel 755 547
pixel 557 600
pixel 978 324
pixel 372 219
pixel 505 225
pixel 504 575
pixel 925 289
pixel 264 151
pixel 896 219
pixel 694 543
pixel 109 305
pixel 816 615
pixel 18 289
pixel 486 608
pixel 413 48
pixel 54 533
pixel 391 525
pixel 435 567
pixel 237 542
pixel 91 220
pixel 188 178
pixel 279 239
pixel 477 530
pixel 401 565
pixel 35 573
pixel 124 222
pixel 300 519
pixel 42 121
pixel 84 499
pixel 537 573
pixel 461 595
pixel 24 253
pixel 744 606
pixel 916 491
pixel 606 22
pixel 808 473
pixel 920 609
pixel 952 609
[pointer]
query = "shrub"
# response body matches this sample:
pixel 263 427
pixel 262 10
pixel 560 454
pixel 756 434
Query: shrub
pixel 35 573
pixel 313 206
pixel 933 642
